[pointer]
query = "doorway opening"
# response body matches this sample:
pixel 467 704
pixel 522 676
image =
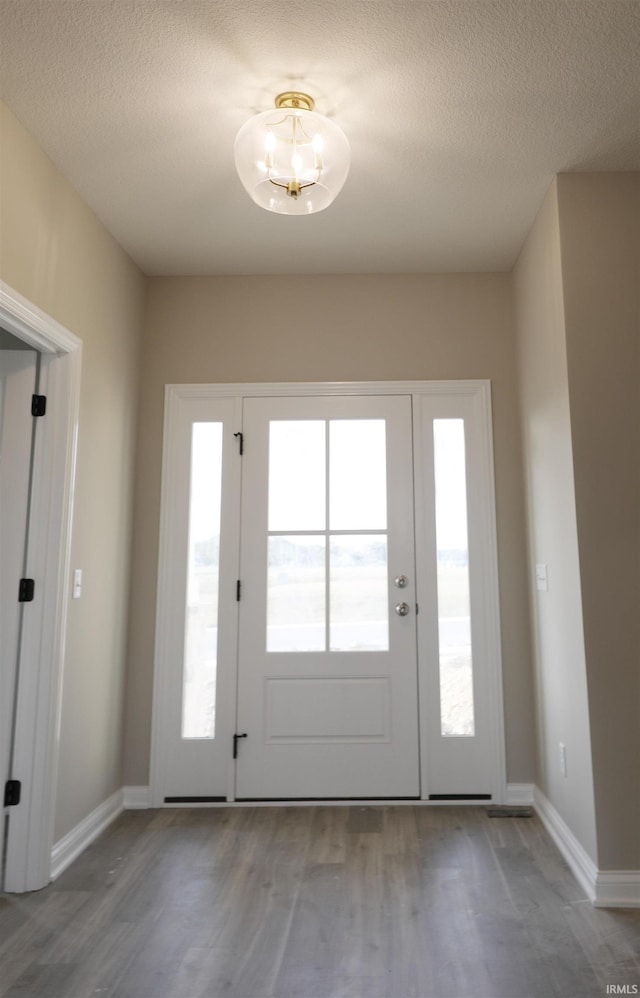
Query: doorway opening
pixel 29 837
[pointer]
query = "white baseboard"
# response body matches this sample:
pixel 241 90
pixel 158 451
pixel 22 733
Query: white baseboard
pixel 617 889
pixel 604 888
pixel 580 863
pixel 519 794
pixel 76 841
pixel 613 888
pixel 136 798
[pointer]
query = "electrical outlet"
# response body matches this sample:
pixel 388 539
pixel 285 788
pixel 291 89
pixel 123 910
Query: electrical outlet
pixel 563 758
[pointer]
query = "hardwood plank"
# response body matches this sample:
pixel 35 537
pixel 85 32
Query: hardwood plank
pixel 41 980
pixel 400 831
pixel 316 902
pixel 244 957
pixel 365 819
pixel 328 839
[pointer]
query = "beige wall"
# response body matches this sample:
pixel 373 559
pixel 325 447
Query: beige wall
pixel 577 317
pixel 558 641
pixel 56 253
pixel 244 329
pixel 600 243
pixel 577 299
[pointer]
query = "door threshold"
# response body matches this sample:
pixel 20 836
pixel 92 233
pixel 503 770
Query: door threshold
pixel 195 800
pixel 326 800
pixel 332 802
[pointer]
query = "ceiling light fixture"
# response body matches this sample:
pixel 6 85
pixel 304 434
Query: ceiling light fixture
pixel 292 160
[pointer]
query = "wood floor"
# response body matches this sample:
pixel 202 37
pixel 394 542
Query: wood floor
pixel 316 902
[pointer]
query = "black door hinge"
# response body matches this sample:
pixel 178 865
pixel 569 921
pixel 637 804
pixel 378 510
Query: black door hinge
pixel 26 590
pixel 12 790
pixel 38 405
pixel 235 744
pixel 240 437
pixel 238 590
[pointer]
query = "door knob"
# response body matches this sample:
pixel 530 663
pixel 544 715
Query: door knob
pixel 402 609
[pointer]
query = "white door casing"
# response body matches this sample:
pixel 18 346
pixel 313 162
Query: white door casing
pixel 30 839
pixel 18 372
pixel 444 761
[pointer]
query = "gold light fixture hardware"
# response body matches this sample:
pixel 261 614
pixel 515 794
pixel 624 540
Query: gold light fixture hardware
pixel 295 99
pixel 291 159
pixel 293 188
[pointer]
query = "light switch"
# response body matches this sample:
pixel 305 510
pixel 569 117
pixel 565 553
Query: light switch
pixel 77 583
pixel 542 582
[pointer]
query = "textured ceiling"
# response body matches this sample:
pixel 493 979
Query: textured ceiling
pixel 458 115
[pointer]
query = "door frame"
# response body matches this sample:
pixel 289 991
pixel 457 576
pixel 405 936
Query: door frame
pixel 479 393
pixel 472 400
pixel 31 828
pixel 182 408
pixel 373 749
pixel 18 381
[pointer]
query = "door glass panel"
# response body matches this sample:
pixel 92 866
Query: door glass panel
pixel 201 632
pixel 296 593
pixel 454 620
pixel 297 496
pixel 359 593
pixel 358 474
pixel 306 611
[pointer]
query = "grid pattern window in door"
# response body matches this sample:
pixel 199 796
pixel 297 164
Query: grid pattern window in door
pixel 327 545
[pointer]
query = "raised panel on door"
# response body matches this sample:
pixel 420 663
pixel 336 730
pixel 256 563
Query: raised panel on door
pixel 327 693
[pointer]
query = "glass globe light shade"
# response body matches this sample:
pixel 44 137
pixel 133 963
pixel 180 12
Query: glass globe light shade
pixel 291 159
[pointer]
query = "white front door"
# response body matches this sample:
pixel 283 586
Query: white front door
pixel 327 682
pixel 300 532
pixel 17 385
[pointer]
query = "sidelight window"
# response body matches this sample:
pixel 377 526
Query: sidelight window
pixel 454 616
pixel 201 630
